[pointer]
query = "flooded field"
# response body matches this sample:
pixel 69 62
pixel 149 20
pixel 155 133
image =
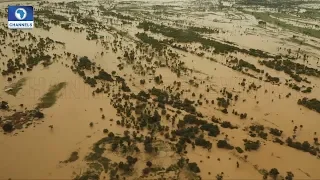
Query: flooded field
pixel 161 90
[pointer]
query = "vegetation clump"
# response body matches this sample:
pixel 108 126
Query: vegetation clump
pixel 239 150
pixel 164 97
pixel 258 130
pixel 275 131
pixel 312 104
pixel 104 76
pixel 117 15
pixel 227 124
pixel 51 15
pixel 194 167
pixel 274 173
pixel 305 146
pixel 224 144
pixel 192 119
pixel 279 141
pixel 275 80
pixel 158 79
pixel 4 105
pixel 50 98
pixel 289 176
pixel 189 132
pixel 8 127
pixel 240 64
pixel 189 36
pixel 213 130
pixel 150 40
pixel 203 143
pixel 34 60
pixel 84 63
pixel 16 87
pixel 291 68
pixel 73 157
pixel 251 145
pixel 223 102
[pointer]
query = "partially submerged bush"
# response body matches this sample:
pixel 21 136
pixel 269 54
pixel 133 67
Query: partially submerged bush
pixel 239 150
pixel 194 167
pixel 224 144
pixel 8 127
pixel 251 145
pixel 4 105
pixel 275 131
pixel 312 104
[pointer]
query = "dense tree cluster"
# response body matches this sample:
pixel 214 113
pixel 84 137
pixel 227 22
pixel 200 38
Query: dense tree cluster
pixel 8 127
pixel 224 144
pixel 274 173
pixel 305 146
pixel 258 130
pixel 194 167
pixel 203 29
pixel 85 63
pixel 158 79
pixel 241 64
pixel 128 166
pixel 181 145
pixel 307 90
pixel 4 105
pixel 165 98
pixel 13 65
pixel 271 79
pixel 291 68
pixel 148 147
pixel 162 95
pixel 35 59
pixel 104 76
pixel 38 114
pixel 279 141
pixel 275 131
pixel 239 150
pixel 227 124
pixel 312 104
pixel 243 115
pixel 189 132
pixel 289 176
pixel 158 45
pixel 142 81
pixel 251 145
pixel 213 130
pixel 117 15
pixel 223 102
pixel 203 143
pixel 51 15
pixel 192 119
pixel 141 96
pixel 189 36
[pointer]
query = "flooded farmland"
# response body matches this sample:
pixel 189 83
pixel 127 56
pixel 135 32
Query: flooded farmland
pixel 161 90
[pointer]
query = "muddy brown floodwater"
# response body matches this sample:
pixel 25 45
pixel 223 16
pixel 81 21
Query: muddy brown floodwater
pixel 75 118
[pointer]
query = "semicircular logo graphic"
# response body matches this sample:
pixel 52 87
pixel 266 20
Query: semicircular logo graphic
pixel 20 13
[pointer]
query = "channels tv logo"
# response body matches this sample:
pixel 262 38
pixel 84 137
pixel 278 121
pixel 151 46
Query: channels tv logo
pixel 20 17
